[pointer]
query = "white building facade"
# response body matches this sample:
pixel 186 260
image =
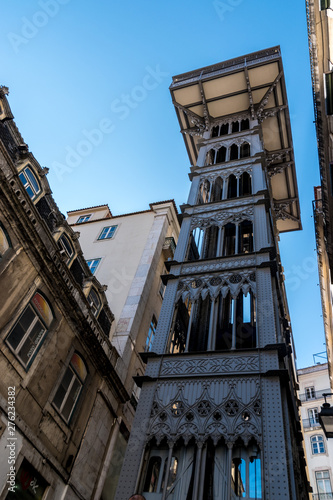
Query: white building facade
pixel 313 383
pixel 127 254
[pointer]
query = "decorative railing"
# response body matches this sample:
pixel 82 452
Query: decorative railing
pixel 310 423
pixel 314 395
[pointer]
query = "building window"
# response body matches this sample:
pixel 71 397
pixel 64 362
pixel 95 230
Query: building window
pixel 28 483
pixel 323 482
pixel 329 93
pixel 66 248
pixel 70 387
pixel 83 218
pixel 310 392
pixel 30 183
pixel 93 264
pixel 313 416
pixel 107 233
pixel 94 302
pixel 325 4
pixel 317 445
pixel 162 289
pixel 151 334
pixel 26 338
pixel 5 242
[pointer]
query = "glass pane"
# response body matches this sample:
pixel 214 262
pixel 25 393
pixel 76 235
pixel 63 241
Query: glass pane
pixel 21 327
pixel 255 478
pixel 71 399
pixel 61 392
pixel 32 342
pixel 32 180
pixel 173 472
pixel 66 245
pixel 247 308
pixel 23 179
pixel 152 475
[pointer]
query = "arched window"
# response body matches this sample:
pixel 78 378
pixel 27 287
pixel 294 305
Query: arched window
pixel 221 155
pixel 158 479
pixel 229 242
pixel 232 186
pixel 70 387
pixel 94 302
pixel 224 129
pixel 28 334
pixel 317 445
pixel 30 182
pixel 5 242
pixel 245 124
pixel 195 244
pixel 235 126
pixel 210 157
pixel 204 192
pixel 245 187
pixel 225 319
pixel 215 131
pixel 245 150
pixel 245 240
pixel 66 248
pixel 245 321
pixel 180 326
pixel 236 322
pixel 234 152
pixel 200 325
pixel 218 189
pixel 246 471
pixel 210 242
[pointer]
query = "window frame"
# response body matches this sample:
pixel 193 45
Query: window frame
pixel 84 217
pixel 151 334
pixel 30 330
pixel 70 368
pixel 102 237
pixel 93 267
pixel 323 479
pixel 93 306
pixel 316 440
pixel 26 172
pixel 63 241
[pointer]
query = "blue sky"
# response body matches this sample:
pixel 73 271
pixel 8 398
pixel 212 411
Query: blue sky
pixel 89 91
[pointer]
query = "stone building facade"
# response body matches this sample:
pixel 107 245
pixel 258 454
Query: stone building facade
pixel 320 29
pixel 61 399
pixel 217 415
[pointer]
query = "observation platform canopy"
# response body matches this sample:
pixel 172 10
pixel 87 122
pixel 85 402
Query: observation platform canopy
pixel 253 87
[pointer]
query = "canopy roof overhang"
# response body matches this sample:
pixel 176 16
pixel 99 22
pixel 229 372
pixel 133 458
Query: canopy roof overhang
pixel 252 86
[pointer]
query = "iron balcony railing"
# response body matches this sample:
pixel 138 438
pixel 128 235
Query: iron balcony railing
pixel 310 423
pixel 314 395
pixel 322 496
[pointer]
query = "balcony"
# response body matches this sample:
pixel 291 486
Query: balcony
pixel 322 496
pixel 169 248
pixel 310 423
pixel 315 395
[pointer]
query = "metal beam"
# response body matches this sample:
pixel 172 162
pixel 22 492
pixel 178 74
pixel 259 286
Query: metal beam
pixel 264 100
